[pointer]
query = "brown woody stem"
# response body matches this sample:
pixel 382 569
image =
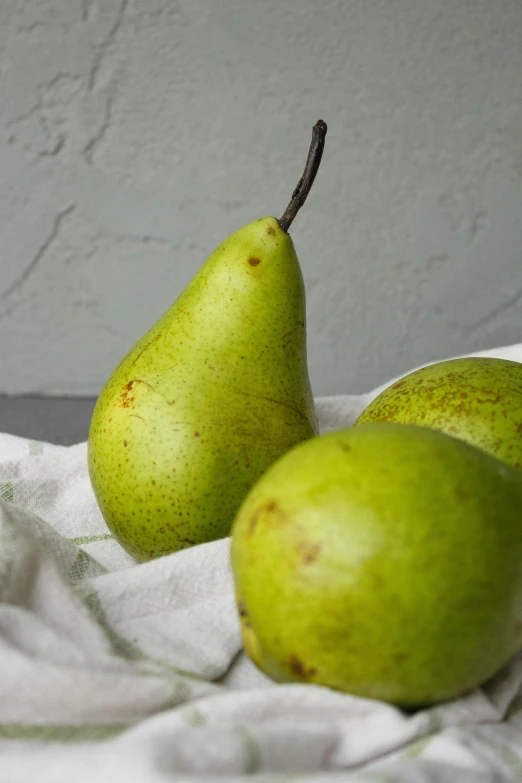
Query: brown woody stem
pixel 305 183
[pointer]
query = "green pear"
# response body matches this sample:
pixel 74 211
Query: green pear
pixel 211 396
pixel 478 400
pixel 383 560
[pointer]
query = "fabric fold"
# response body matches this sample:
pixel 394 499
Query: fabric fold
pixel 110 669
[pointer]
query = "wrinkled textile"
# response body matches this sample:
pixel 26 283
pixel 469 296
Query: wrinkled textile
pixel 112 670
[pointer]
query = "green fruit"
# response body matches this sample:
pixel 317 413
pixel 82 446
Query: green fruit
pixel 210 397
pixel 384 561
pixel 478 400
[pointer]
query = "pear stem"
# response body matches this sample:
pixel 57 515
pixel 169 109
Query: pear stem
pixel 307 180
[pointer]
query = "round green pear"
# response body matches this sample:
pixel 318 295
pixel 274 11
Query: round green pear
pixel 476 399
pixel 383 560
pixel 211 396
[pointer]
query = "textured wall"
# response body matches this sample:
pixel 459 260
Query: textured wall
pixel 135 135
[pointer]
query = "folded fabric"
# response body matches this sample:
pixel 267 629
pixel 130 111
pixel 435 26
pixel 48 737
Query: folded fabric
pixel 112 670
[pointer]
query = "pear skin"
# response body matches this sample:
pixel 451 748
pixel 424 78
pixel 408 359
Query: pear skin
pixel 385 561
pixel 476 399
pixel 211 396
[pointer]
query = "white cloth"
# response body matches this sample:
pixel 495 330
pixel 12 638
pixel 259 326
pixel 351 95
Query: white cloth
pixel 113 671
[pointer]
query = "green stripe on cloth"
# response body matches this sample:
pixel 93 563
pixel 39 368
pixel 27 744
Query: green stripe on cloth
pixel 84 566
pixel 417 747
pixel 52 733
pixel 119 645
pixel 508 756
pixel 9 540
pixel 7 491
pixel 89 539
pixel 250 749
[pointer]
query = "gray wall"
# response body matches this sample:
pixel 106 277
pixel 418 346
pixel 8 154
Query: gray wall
pixel 135 135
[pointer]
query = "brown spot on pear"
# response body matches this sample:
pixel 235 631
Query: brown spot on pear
pixel 299 669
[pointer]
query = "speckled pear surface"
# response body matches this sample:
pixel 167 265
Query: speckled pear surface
pixel 383 560
pixel 207 400
pixel 476 399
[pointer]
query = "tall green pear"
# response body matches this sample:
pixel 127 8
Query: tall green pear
pixel 383 560
pixel 477 399
pixel 211 396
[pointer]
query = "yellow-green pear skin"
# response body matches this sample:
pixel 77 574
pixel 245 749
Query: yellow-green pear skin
pixel 383 560
pixel 476 399
pixel 207 400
